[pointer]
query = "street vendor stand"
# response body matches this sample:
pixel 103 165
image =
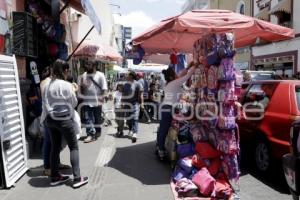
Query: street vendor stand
pixel 206 148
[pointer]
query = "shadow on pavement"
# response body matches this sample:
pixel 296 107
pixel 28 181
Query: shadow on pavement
pixel 140 162
pixel 274 178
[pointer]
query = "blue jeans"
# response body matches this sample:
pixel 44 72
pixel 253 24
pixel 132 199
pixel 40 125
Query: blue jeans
pixel 133 117
pixel 92 119
pixel 164 125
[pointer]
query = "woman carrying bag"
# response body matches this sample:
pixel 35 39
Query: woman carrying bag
pixel 60 100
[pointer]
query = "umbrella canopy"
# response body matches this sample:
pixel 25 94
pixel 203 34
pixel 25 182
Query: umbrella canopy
pixel 89 49
pixel 180 32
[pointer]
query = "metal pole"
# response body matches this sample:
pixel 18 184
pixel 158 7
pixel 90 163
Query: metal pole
pixel 80 43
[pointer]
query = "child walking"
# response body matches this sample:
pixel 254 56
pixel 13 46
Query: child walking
pixel 119 110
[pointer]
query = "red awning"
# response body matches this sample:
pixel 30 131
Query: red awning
pixel 93 50
pixel 180 32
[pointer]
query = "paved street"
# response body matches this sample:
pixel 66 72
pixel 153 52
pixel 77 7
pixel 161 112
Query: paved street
pixel 119 170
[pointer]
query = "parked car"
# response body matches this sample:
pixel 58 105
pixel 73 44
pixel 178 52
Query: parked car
pixel 270 107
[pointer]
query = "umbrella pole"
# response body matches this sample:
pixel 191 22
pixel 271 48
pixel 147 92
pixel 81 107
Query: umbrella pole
pixel 80 43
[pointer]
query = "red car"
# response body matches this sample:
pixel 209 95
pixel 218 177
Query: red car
pixel 270 108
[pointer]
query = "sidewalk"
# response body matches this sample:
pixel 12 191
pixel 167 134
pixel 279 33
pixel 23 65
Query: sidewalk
pixel 118 170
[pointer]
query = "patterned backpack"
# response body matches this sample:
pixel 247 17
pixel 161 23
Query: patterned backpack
pixel 212 78
pixel 226 69
pixel 226 93
pixel 226 119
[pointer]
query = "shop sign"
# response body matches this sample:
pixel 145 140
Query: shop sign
pixel 90 11
pixel 127 32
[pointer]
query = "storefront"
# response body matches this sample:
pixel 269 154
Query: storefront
pixel 36 32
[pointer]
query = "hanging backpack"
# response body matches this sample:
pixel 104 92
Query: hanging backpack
pixel 211 52
pixel 226 69
pixel 226 49
pixel 230 166
pixel 212 78
pixel 226 119
pixel 228 142
pixel 226 93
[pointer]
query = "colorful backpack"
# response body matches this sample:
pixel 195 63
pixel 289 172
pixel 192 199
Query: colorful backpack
pixel 226 49
pixel 211 53
pixel 226 69
pixel 198 133
pixel 228 142
pixel 212 78
pixel 226 119
pixel 230 166
pixel 226 93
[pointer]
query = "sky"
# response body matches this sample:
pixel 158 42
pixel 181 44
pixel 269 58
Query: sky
pixel 142 14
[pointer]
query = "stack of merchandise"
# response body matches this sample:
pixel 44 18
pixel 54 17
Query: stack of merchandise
pixel 204 138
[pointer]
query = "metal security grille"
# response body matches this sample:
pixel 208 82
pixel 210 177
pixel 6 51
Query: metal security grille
pixel 13 145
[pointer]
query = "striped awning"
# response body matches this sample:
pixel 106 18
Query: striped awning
pixel 282 6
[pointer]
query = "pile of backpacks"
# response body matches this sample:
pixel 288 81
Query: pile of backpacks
pixel 203 141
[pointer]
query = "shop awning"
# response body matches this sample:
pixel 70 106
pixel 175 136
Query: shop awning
pixel 94 50
pixel 282 6
pixel 88 8
pixel 263 14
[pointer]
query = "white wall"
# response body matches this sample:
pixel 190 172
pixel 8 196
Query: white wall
pixel 296 17
pixel 103 10
pixel 279 47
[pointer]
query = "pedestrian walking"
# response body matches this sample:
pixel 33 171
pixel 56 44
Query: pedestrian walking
pixel 144 113
pixel 60 100
pixel 119 112
pixel 133 100
pixel 92 88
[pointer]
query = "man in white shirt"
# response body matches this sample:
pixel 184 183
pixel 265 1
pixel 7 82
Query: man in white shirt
pixel 92 88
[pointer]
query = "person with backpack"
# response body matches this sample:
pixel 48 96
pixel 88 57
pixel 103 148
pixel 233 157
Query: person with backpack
pixel 172 90
pixel 59 100
pixel 92 88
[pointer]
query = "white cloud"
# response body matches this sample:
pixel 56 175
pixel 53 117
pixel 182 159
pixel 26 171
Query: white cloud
pixel 138 20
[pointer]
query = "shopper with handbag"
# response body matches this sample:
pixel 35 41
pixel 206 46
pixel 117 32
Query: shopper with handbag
pixel 60 100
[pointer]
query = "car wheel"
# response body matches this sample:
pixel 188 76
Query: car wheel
pixel 262 156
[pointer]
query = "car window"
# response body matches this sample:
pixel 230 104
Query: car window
pixel 260 94
pixel 298 96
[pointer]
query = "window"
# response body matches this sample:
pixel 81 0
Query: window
pixel 241 7
pixel 257 100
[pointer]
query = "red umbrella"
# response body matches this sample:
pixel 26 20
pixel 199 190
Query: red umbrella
pixel 89 49
pixel 180 32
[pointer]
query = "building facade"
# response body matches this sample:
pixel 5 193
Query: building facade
pixel 243 57
pixel 281 57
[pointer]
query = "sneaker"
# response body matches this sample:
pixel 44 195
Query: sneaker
pixel 78 182
pixel 89 139
pixel 130 134
pixel 47 172
pixel 59 180
pixel 134 138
